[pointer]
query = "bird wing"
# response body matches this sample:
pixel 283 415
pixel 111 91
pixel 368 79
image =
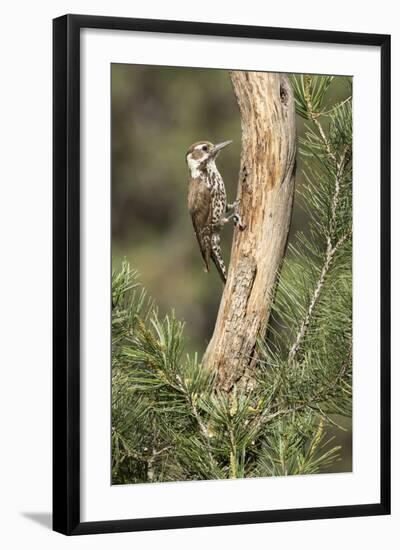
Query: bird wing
pixel 199 203
pixel 216 256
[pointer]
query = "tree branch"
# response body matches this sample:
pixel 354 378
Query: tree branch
pixel 330 249
pixel 265 192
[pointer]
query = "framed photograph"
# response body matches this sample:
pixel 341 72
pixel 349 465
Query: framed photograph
pixel 221 274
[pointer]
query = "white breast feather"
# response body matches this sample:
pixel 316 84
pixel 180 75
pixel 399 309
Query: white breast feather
pixel 194 167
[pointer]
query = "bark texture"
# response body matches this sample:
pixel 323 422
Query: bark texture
pixel 265 191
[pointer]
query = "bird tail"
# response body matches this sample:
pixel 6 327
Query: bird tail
pixel 217 256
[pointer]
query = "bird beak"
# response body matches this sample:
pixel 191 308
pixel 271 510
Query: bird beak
pixel 217 148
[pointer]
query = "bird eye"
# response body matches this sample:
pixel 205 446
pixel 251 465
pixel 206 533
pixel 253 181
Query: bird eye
pixel 205 148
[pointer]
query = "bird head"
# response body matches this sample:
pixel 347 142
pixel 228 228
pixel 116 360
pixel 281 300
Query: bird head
pixel 201 153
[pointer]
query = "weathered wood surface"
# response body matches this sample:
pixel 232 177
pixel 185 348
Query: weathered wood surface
pixel 265 191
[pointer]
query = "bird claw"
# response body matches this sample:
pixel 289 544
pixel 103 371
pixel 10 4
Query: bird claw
pixel 234 215
pixel 237 220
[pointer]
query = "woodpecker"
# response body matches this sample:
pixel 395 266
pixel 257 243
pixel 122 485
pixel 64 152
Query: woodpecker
pixel 207 202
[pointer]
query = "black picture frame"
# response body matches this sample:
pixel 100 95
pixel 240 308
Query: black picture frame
pixel 66 273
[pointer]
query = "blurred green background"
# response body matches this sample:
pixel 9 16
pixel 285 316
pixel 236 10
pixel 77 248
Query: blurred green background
pixel 157 113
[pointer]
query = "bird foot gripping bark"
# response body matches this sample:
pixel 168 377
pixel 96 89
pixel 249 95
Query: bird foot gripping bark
pixel 237 220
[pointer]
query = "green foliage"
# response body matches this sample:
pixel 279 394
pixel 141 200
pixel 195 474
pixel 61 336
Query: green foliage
pixel 308 356
pixel 169 420
pixel 310 93
pixel 296 446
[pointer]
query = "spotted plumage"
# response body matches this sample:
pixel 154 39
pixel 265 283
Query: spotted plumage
pixel 207 201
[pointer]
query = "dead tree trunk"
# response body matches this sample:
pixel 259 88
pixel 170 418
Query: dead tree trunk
pixel 265 191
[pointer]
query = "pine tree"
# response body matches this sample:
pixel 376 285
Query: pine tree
pixel 169 420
